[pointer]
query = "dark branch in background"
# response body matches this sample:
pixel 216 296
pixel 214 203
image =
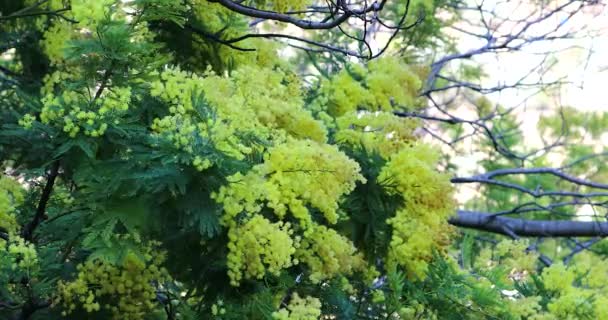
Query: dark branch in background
pixel 579 247
pixel 550 208
pixel 496 43
pixel 329 48
pixel 332 21
pixel 28 231
pixel 570 191
pixel 199 31
pixel 478 124
pixel 32 12
pixel 551 171
pixel 333 16
pixel 31 307
pixel 528 228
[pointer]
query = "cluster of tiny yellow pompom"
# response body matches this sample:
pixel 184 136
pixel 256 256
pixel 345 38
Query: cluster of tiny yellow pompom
pixel 218 308
pixel 55 40
pixel 89 13
pixel 214 16
pixel 570 299
pixel 11 195
pixel 526 308
pixel 306 172
pixel 253 102
pixel 26 121
pixel 393 84
pixel 574 291
pixel 379 131
pixel 378 296
pixel 257 247
pixel 75 113
pixel 420 226
pixel 511 255
pixel 186 126
pixel 328 254
pixel 274 97
pixel 307 308
pixel 201 164
pixel 385 84
pixel 128 286
pixel 23 254
pixel 60 32
pixel 293 175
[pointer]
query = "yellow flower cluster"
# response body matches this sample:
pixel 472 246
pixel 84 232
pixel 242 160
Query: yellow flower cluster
pixel 11 195
pixel 75 113
pixel 385 84
pixel 55 40
pixel 27 121
pixel 558 278
pixel 186 125
pixel 253 102
pixel 308 308
pixel 88 14
pixel 393 83
pixel 214 17
pixel 217 308
pixel 525 307
pixel 379 131
pixel 378 296
pixel 328 254
pixel 579 288
pixel 294 174
pixel 275 98
pixel 23 254
pixel 128 287
pixel 510 254
pixel 420 226
pixel 259 246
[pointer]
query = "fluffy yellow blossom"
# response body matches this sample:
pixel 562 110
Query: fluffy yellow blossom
pixel 393 83
pixel 293 175
pixel 126 289
pixel 524 307
pixel 76 113
pixel 328 254
pixel 259 246
pixel 11 195
pixel 23 254
pixel 231 113
pixel 55 40
pixel 558 278
pixel 420 226
pixel 89 13
pixel 382 132
pixel 308 308
pixel 510 255
pixel 384 84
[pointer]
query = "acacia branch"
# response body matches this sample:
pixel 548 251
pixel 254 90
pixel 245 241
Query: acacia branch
pixel 550 171
pixel 332 22
pixel 328 47
pixel 488 178
pixel 28 231
pixel 509 42
pixel 528 228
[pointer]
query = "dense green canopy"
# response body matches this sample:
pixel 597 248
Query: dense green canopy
pixel 286 159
